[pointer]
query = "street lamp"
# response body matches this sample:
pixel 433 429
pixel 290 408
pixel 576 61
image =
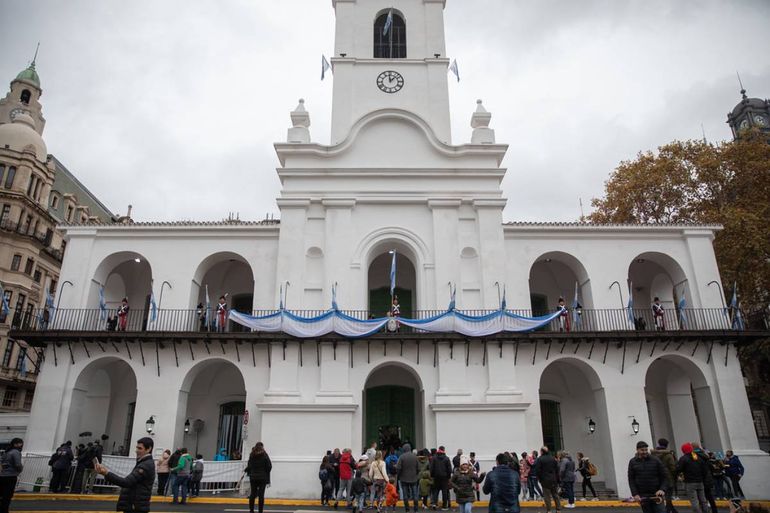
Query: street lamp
pixel 187 426
pixel 635 426
pixel 150 424
pixel 591 426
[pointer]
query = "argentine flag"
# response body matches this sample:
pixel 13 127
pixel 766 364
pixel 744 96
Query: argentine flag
pixel 737 319
pixel 503 304
pixel 334 298
pixel 575 307
pixel 452 299
pixel 153 307
pixel 4 307
pixel 393 274
pixel 208 307
pixel 630 306
pixel 388 23
pixel 682 306
pixel 102 303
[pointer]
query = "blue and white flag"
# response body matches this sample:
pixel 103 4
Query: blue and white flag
pixel 102 303
pixel 4 307
pixel 334 298
pixel 388 23
pixel 454 69
pixel 503 304
pixel 737 319
pixel 325 66
pixel 23 365
pixel 393 274
pixel 630 306
pixel 682 305
pixel 452 302
pixel 153 306
pixel 576 308
pixel 208 308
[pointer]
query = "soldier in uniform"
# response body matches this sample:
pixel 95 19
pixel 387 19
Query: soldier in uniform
pixel 563 316
pixel 123 315
pixel 221 314
pixel 658 315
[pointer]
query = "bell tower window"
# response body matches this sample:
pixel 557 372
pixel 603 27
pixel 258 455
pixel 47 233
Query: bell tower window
pixel 390 38
pixel 25 97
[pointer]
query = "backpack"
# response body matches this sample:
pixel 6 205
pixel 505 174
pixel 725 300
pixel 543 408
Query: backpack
pixel 323 475
pixel 55 456
pixel 592 470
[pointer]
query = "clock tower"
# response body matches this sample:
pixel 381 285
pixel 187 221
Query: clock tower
pixel 390 55
pixel 24 96
pixel 749 113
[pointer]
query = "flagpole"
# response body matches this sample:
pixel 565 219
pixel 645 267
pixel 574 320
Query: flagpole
pixel 390 34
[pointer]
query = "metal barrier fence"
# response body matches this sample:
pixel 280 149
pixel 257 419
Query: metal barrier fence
pixel 218 476
pixel 582 320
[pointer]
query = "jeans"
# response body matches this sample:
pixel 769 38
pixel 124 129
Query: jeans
pixel 550 492
pixel 649 506
pixel 569 490
pixel 59 480
pixel 466 507
pixel 360 501
pixel 7 487
pixel 722 488
pixel 170 483
pixel 534 487
pixel 697 497
pixel 410 491
pixel 345 485
pixel 441 484
pixel 737 491
pixel 162 480
pixel 181 483
pixel 257 492
pixel 195 487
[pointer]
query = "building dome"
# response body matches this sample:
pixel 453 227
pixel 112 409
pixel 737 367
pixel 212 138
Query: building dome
pixel 29 75
pixel 21 134
pixel 749 103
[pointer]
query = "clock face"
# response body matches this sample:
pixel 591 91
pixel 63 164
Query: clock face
pixel 390 82
pixel 16 112
pixel 744 124
pixel 760 120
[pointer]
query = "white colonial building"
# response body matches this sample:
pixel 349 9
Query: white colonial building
pixel 344 208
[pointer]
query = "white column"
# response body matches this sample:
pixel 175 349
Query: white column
pixel 447 251
pixel 284 373
pixel 452 377
pixel 335 375
pixel 502 374
pixel 291 248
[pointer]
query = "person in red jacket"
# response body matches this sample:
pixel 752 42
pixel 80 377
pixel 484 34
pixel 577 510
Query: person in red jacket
pixel 346 468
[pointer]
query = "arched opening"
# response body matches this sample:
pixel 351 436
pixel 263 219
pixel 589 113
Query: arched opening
pixel 379 280
pixel 557 275
pixel 390 38
pixel 680 403
pixel 658 275
pixel 224 274
pixel 122 275
pixel 103 403
pixel 25 97
pixel 213 399
pixel 393 407
pixel 571 394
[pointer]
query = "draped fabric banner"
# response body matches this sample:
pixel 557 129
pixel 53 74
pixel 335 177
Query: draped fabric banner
pixel 334 321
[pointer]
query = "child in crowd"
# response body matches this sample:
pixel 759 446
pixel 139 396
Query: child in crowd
pixel 391 495
pixel 426 483
pixel 358 491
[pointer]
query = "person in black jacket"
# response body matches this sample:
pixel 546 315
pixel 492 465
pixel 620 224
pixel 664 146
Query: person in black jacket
pixel 258 469
pixel 647 479
pixel 696 474
pixel 136 487
pixel 503 486
pixel 61 463
pixel 547 471
pixel 440 471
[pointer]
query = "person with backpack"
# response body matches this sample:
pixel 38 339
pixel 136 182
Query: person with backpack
pixel 61 463
pixel 695 472
pixel 346 469
pixel 587 470
pixel 326 477
pixel 440 471
pixel 668 458
pixel 196 476
pixel 10 468
pixel 547 469
pixel 182 481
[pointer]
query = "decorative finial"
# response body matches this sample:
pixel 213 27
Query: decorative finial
pixel 32 64
pixel 743 89
pixel 482 134
pixel 300 121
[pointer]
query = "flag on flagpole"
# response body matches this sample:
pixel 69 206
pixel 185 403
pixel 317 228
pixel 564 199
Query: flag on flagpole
pixel 208 307
pixel 153 306
pixel 280 297
pixel 393 274
pixel 682 306
pixel 102 303
pixel 388 23
pixel 334 297
pixel 325 66
pixel 455 69
pixel 4 307
pixel 737 319
pixel 452 302
pixel 576 307
pixel 503 304
pixel 630 305
pixel 23 366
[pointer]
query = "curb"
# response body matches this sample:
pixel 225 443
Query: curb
pixel 315 502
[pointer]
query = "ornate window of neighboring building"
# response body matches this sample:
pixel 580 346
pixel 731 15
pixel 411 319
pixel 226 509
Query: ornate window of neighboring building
pixel 760 423
pixel 6 213
pixel 37 276
pixel 28 396
pixel 55 201
pixel 16 262
pixel 390 45
pixel 7 354
pixel 8 295
pixel 9 398
pixel 9 177
pixel 2 172
pixel 70 210
pixel 20 358
pixel 32 179
pixel 29 266
pixel 25 97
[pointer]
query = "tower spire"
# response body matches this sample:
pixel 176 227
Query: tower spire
pixel 34 58
pixel 740 82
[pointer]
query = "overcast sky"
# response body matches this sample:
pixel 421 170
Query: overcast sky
pixel 173 106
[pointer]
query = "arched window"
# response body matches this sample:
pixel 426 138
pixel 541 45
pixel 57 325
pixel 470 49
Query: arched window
pixel 25 97
pixel 390 44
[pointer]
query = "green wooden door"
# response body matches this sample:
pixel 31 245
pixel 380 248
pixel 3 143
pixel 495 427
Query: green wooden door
pixel 390 415
pixel 550 415
pixel 379 301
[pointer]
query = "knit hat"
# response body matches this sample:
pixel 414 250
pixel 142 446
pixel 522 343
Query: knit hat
pixel 687 448
pixel 465 460
pixel 641 444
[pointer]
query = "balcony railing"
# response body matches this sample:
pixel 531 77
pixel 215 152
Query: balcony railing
pixel 601 320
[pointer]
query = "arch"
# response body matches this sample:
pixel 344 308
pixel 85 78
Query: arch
pixel 25 96
pixel 392 237
pixel 123 274
pixel 680 402
pixel 393 44
pixel 207 387
pixel 225 273
pixel 378 282
pixel 653 274
pixel 554 274
pixel 393 399
pixel 571 391
pixel 103 402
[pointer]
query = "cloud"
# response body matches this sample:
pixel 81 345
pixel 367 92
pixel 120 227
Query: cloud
pixel 173 106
